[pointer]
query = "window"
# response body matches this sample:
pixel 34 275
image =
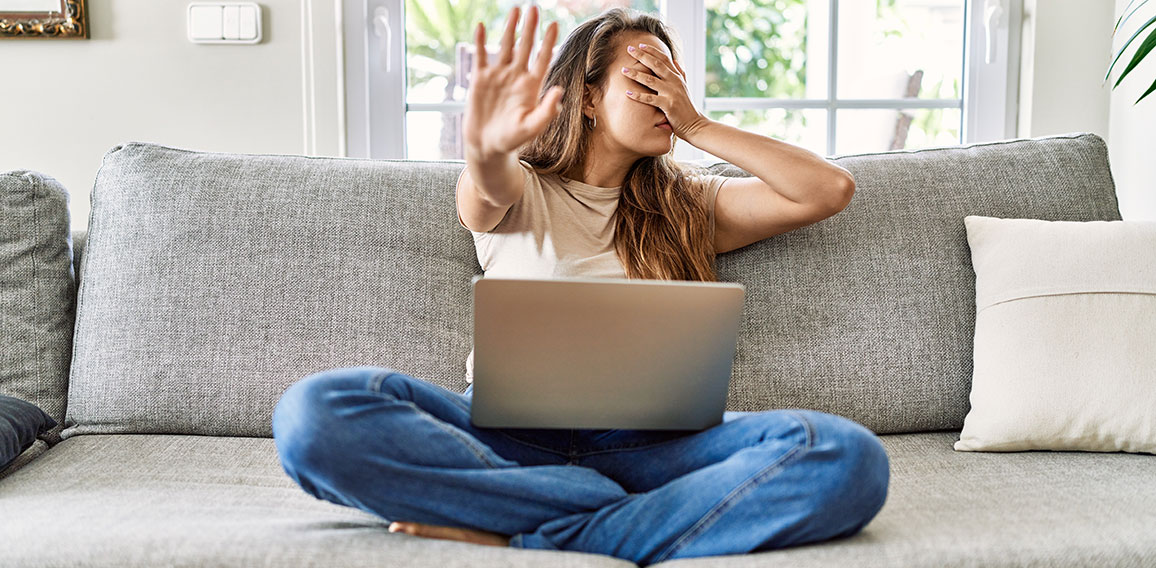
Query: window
pixel 439 42
pixel 769 69
pixel 832 76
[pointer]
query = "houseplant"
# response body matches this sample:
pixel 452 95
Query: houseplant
pixel 1145 47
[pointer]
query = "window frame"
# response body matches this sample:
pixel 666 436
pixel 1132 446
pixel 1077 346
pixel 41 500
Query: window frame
pixel 376 108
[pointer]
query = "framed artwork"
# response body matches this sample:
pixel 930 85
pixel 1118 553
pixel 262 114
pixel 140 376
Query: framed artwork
pixel 43 19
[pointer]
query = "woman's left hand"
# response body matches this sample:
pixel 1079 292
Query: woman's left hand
pixel 671 93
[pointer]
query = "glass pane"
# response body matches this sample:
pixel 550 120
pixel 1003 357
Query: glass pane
pixel 433 135
pixel 892 49
pixel 802 127
pixel 879 130
pixel 766 48
pixel 439 37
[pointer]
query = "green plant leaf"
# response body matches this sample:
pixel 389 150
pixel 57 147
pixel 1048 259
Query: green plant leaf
pixel 1126 44
pixel 1148 92
pixel 1141 51
pixel 1124 18
pixel 423 22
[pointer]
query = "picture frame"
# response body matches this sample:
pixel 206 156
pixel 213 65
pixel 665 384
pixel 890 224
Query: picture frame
pixel 43 19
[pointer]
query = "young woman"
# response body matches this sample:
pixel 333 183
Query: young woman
pixel 569 172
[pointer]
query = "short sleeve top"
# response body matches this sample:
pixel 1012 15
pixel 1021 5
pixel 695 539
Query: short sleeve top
pixel 560 228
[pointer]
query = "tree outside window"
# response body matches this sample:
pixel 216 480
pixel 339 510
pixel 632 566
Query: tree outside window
pixel 766 68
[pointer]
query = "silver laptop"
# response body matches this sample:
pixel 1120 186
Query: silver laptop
pixel 603 353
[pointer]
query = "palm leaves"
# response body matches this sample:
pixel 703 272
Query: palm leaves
pixel 1145 46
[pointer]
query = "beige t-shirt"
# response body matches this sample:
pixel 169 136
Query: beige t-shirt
pixel 561 228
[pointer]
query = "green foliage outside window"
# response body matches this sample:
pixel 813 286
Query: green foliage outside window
pixel 754 48
pixel 435 27
pixel 758 49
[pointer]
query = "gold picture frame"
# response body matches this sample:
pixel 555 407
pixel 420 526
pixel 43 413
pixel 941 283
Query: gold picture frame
pixel 69 21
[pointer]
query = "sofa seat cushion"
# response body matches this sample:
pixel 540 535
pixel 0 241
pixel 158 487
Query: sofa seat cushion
pixel 148 500
pixel 128 500
pixel 34 451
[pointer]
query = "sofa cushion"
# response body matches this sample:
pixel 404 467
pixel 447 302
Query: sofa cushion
pixel 21 422
pixel 164 500
pixel 870 314
pixel 213 281
pixel 34 451
pixel 1065 336
pixel 161 500
pixel 37 292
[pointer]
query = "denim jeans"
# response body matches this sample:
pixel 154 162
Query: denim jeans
pixel 404 449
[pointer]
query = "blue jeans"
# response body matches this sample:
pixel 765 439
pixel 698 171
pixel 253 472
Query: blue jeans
pixel 403 449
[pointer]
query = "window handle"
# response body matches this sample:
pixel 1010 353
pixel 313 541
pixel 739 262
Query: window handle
pixel 381 29
pixel 993 12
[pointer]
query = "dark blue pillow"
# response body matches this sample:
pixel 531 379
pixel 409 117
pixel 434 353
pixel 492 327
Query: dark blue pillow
pixel 20 423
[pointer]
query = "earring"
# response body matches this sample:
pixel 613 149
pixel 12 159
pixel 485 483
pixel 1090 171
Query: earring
pixel 595 125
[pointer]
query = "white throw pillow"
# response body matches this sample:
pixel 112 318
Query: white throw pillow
pixel 1065 336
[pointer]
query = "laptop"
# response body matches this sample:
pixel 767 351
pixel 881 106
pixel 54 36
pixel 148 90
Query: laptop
pixel 603 353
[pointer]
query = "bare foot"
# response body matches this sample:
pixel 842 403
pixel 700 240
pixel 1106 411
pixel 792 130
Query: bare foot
pixel 450 533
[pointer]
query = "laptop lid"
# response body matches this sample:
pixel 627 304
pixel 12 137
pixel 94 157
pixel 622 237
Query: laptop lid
pixel 603 352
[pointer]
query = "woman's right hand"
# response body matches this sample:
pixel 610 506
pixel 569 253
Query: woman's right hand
pixel 502 107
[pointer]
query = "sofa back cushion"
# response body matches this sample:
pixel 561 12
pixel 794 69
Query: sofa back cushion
pixel 213 281
pixel 870 313
pixel 37 293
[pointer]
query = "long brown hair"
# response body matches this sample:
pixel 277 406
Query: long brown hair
pixel 661 230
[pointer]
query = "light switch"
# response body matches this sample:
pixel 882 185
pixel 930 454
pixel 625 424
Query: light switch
pixel 232 25
pixel 205 22
pixel 248 22
pixel 224 22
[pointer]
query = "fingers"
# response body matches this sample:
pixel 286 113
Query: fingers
pixel 506 55
pixel 546 53
pixel 645 79
pixel 480 39
pixel 646 98
pixel 546 110
pixel 529 28
pixel 647 56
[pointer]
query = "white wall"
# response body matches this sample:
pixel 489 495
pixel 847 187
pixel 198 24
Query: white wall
pixel 1063 58
pixel 137 77
pixel 1067 46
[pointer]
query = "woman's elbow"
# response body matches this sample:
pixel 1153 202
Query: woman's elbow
pixel 844 191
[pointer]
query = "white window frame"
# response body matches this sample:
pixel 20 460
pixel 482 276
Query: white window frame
pixel 375 78
pixel 991 88
pixel 376 107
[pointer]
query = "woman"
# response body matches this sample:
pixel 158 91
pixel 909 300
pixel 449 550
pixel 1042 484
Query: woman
pixel 596 177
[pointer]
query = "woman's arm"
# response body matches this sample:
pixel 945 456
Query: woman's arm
pixel 795 173
pixel 502 113
pixel 792 187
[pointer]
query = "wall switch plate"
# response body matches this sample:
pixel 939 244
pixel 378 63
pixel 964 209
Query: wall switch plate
pixel 224 22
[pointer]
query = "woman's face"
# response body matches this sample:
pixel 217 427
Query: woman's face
pixel 624 123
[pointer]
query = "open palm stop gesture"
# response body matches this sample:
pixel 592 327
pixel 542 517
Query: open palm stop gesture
pixel 502 107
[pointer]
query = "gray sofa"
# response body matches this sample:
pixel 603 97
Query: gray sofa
pixel 207 283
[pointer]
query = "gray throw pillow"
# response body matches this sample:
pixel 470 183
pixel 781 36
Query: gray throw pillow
pixel 37 292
